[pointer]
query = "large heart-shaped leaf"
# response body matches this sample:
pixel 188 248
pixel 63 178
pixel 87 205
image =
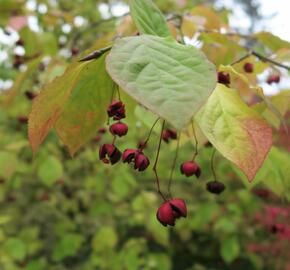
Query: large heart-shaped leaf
pixel 237 131
pixel 170 79
pixel 74 103
pixel 148 18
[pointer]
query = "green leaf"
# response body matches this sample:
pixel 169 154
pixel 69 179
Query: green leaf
pixel 271 41
pixel 67 246
pixel 39 264
pixel 230 249
pixel 50 170
pixel 237 131
pixel 105 238
pixel 277 172
pixel 8 164
pixel 170 79
pixel 274 108
pixel 148 18
pixel 32 45
pixel 75 103
pixel 15 248
pixel 49 43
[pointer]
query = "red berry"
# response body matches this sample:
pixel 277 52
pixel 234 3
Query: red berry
pixel 97 138
pixel 248 67
pixel 19 42
pixel 109 153
pixel 120 129
pixel 30 95
pixel 18 61
pixel 171 210
pixel 44 197
pixel 142 145
pixel 74 51
pixel 215 187
pixel 165 215
pixel 261 192
pixel 141 162
pixel 129 155
pixel 102 130
pixel 168 134
pixel 224 78
pixel 179 207
pixel 117 110
pixel 190 168
pixel 273 79
pixel 278 228
pixel 23 119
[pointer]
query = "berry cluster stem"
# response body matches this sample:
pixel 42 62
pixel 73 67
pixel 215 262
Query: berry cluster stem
pixel 156 161
pixel 196 141
pixel 212 164
pixel 173 166
pixel 150 132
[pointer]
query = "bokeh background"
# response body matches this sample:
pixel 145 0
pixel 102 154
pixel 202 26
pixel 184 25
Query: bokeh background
pixel 59 212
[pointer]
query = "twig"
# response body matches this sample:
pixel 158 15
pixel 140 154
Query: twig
pixel 241 59
pixel 261 57
pixel 266 59
pixel 95 54
pixel 156 161
pixel 173 166
pixel 226 33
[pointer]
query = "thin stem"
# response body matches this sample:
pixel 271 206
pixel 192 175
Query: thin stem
pixel 180 30
pixel 155 164
pixel 266 59
pixel 212 164
pixel 173 166
pixel 114 139
pixel 230 34
pixel 196 142
pixel 149 134
pixel 113 92
pixel 112 97
pixel 118 92
pixel 241 59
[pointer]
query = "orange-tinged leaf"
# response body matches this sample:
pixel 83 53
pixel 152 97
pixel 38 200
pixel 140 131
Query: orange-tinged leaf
pixel 190 24
pixel 126 27
pixel 221 49
pixel 213 20
pixel 235 130
pixel 75 103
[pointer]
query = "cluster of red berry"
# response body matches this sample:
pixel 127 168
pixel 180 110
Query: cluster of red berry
pixel 109 153
pixel 224 77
